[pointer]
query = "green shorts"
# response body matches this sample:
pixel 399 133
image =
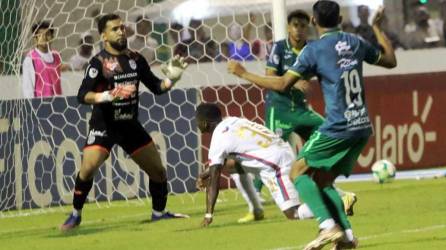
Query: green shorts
pixel 284 121
pixel 331 154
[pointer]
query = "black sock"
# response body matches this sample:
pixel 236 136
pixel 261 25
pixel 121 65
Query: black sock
pixel 81 190
pixel 159 195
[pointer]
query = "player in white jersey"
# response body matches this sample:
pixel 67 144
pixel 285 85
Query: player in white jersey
pixel 257 150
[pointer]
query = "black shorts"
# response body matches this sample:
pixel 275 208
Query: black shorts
pixel 130 135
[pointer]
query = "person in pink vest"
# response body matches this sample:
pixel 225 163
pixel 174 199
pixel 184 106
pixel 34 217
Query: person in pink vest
pixel 42 65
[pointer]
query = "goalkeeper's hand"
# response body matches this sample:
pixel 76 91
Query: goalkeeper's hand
pixel 174 68
pixel 119 92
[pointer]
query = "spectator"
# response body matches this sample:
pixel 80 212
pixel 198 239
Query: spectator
pixel 238 48
pixel 262 47
pixel 442 22
pixel 142 42
pixel 80 60
pixel 364 29
pixel 42 65
pixel 202 48
pixel 426 33
pixel 348 27
pixel 179 48
pixel 392 36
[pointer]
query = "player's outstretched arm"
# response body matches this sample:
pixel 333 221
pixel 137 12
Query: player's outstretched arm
pixel 173 70
pixel 212 191
pixel 388 58
pixel 277 83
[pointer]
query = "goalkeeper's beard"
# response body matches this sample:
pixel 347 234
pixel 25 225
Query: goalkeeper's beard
pixel 119 45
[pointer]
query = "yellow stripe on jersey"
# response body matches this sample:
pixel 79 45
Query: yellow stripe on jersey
pixel 379 57
pixel 271 68
pixel 294 73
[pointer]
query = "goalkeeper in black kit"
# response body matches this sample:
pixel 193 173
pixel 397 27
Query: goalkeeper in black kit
pixel 111 84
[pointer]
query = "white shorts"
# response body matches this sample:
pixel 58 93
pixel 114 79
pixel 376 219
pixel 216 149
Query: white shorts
pixel 274 173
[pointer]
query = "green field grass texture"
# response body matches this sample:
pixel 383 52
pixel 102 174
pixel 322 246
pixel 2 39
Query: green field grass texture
pixel 405 214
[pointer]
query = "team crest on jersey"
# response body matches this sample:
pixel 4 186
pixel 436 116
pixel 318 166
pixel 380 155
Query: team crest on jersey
pixel 92 73
pixel 132 64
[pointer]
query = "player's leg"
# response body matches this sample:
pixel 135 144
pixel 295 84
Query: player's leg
pixel 281 122
pixel 96 150
pixel 244 184
pixel 344 167
pixel 139 145
pixel 93 157
pixel 316 155
pixel 278 182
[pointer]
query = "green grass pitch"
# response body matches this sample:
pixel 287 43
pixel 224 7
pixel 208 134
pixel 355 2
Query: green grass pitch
pixel 405 214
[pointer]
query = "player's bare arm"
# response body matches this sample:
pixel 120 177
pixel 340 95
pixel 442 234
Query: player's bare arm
pixel 277 83
pixel 388 58
pixel 212 193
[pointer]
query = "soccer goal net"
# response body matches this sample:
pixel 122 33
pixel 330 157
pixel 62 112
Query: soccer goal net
pixel 42 138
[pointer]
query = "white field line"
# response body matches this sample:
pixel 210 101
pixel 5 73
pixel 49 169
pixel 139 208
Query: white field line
pixel 364 238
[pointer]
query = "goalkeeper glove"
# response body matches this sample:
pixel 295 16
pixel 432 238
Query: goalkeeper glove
pixel 174 68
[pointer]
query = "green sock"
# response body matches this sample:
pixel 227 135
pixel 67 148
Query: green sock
pixel 258 184
pixel 311 195
pixel 336 207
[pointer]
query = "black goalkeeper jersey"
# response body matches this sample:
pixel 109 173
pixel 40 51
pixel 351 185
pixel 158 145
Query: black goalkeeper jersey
pixel 105 72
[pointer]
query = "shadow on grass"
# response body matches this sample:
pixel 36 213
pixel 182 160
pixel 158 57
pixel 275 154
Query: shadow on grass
pixel 389 244
pixel 225 226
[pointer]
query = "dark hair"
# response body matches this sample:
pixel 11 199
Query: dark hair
pixel 209 112
pixel 326 13
pixel 104 19
pixel 361 7
pixel 299 14
pixel 42 25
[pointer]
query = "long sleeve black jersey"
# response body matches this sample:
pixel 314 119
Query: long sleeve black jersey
pixel 105 72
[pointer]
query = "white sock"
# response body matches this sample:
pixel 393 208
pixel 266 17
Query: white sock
pixel 156 213
pixel 77 212
pixel 244 184
pixel 327 224
pixel 349 234
pixel 303 212
pixel 340 191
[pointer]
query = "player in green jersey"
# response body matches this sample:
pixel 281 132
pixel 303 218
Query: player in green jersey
pixel 336 58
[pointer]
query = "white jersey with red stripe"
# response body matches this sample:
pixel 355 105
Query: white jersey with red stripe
pixel 260 151
pixel 254 144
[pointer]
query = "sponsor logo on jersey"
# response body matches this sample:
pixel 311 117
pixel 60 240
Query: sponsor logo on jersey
pixel 343 48
pixel 93 133
pixel 111 64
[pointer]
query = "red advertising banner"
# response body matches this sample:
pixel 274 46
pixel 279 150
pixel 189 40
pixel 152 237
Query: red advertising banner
pixel 406 111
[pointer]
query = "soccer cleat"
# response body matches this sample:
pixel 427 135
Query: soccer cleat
pixel 71 223
pixel 252 216
pixel 346 244
pixel 325 237
pixel 349 200
pixel 168 215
